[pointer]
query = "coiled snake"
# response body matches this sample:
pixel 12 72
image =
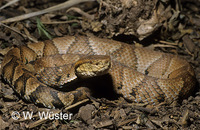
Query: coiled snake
pixel 140 75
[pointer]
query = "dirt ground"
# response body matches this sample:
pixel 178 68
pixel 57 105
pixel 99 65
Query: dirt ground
pixel 168 26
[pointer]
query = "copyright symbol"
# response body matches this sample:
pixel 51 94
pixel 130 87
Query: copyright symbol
pixel 15 115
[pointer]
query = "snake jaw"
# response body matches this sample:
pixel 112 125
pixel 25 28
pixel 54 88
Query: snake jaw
pixel 92 66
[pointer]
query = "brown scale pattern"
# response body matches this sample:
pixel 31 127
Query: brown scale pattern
pixel 140 75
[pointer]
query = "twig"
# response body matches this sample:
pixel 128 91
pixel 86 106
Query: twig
pixel 63 5
pixel 8 4
pixel 61 22
pixel 161 45
pixel 18 32
pixel 126 122
pixel 76 104
pixel 169 43
pixel 91 17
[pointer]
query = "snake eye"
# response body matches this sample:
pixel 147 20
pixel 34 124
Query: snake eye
pixel 97 63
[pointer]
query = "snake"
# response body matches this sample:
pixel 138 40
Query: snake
pixel 39 71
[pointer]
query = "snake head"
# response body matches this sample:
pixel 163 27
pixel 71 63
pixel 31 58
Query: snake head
pixel 93 65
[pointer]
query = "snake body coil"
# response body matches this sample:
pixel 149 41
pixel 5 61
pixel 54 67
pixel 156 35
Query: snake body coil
pixel 140 75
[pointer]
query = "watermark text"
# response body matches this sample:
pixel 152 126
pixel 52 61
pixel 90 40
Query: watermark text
pixel 42 115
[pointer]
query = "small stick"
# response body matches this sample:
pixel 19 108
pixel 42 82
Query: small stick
pixel 8 4
pixel 169 43
pixel 76 104
pixel 63 5
pixel 78 10
pixel 18 32
pixel 61 22
pixel 161 45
